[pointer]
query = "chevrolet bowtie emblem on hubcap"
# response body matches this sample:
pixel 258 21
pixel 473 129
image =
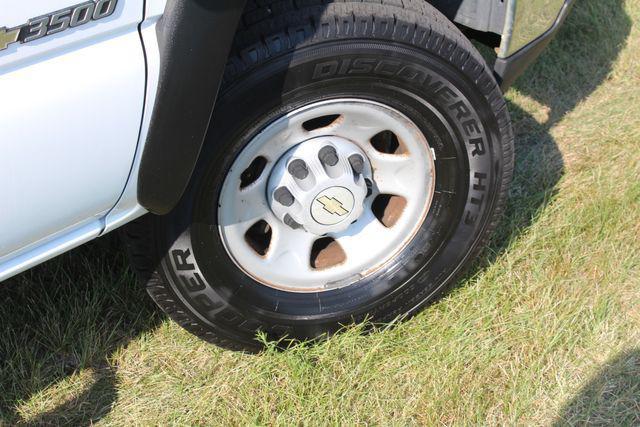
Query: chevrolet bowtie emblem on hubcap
pixel 332 205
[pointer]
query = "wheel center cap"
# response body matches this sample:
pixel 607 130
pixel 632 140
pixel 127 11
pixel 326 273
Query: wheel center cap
pixel 332 205
pixel 320 185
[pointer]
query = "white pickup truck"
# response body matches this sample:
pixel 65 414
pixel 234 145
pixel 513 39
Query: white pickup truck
pixel 284 166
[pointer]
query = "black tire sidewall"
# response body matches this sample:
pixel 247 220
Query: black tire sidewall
pixel 447 106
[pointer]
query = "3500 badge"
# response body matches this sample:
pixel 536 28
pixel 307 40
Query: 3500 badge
pixel 56 22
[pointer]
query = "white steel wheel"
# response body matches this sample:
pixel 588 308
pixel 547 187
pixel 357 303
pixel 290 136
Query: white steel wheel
pixel 326 195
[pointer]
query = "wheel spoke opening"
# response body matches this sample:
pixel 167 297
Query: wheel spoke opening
pixel 258 237
pixel 253 172
pixel 320 122
pixel 387 142
pixel 326 253
pixel 388 208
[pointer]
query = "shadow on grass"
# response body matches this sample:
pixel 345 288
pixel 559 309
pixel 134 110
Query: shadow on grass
pixel 71 314
pixel 576 63
pixel 611 397
pixel 63 320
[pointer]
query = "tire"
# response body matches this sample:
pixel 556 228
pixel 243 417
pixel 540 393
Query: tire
pixel 404 55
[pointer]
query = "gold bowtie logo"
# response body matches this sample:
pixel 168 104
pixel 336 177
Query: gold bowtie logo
pixel 8 37
pixel 332 205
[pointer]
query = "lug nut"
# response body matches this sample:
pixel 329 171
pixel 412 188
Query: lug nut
pixel 298 168
pixel 283 196
pixel 291 222
pixel 357 163
pixel 328 155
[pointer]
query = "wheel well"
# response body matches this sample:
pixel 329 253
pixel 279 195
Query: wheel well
pixel 486 16
pixel 189 80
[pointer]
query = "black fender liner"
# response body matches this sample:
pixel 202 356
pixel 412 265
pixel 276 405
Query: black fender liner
pixel 194 39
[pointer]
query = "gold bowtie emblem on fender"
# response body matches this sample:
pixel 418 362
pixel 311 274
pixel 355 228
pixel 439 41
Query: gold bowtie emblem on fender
pixel 332 205
pixel 8 37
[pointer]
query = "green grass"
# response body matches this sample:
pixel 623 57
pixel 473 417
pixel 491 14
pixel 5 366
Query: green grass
pixel 545 330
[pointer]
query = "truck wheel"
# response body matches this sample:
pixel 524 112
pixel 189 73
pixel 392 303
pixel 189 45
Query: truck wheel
pixel 358 160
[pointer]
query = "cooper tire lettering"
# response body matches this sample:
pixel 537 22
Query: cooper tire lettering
pixel 180 259
pixel 204 303
pixel 194 283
